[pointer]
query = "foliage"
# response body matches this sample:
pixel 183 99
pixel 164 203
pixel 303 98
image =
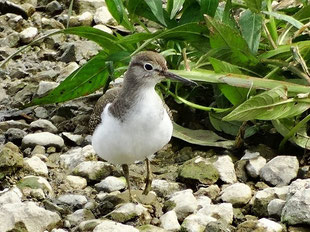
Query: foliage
pixel 255 58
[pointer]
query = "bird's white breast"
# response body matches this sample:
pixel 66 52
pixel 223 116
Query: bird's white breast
pixel 145 130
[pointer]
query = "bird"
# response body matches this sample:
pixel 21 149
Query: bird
pixel 131 123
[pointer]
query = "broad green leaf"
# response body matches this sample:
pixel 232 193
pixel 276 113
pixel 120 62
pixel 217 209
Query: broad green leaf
pixel 157 10
pixel 285 18
pixel 284 126
pixel 177 5
pixel 190 14
pixel 87 79
pixel 251 26
pixel 201 137
pixel 223 36
pixel 106 41
pixel 229 127
pixel 234 94
pixel 228 17
pixel 136 38
pixel 269 105
pixel 209 7
pixel 116 9
pixel 254 5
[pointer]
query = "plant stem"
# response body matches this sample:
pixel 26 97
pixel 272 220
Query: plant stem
pixel 293 131
pixel 289 66
pixel 269 36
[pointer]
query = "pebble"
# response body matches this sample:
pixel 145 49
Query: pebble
pixel 89 225
pixel 213 191
pixel 163 188
pixel 46 86
pixel 76 182
pixel 203 201
pixel 103 16
pixel 104 28
pixel 254 166
pixel 28 34
pixel 36 166
pixel 75 139
pixel 74 200
pixel 273 172
pixel 85 19
pixel 93 170
pixel 45 139
pixel 275 207
pixel 111 184
pixel 80 215
pixel 32 217
pixel 75 156
pixel 43 124
pixel 267 225
pixel 183 203
pixel 169 221
pixel 225 167
pixel 111 226
pixel 38 150
pixel 15 135
pixel 127 212
pixel 41 112
pixel 54 7
pixel 30 184
pixel 237 194
pixel 13 195
pixel 13 124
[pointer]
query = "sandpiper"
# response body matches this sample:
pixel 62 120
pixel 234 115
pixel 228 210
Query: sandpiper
pixel 131 123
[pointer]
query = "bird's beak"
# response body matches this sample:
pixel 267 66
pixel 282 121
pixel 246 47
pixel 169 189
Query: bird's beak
pixel 173 76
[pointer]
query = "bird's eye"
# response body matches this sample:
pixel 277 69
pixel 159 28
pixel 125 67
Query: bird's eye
pixel 148 67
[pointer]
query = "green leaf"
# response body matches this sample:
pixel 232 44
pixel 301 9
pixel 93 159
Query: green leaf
pixel 190 14
pixel 201 137
pixel 269 105
pixel 234 94
pixel 87 79
pixel 251 26
pixel 228 17
pixel 286 18
pixel 177 5
pixel 116 9
pixel 208 7
pixel 106 41
pixel 254 5
pixel 223 36
pixel 157 10
pixel 284 126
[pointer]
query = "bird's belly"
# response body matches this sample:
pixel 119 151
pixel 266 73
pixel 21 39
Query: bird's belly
pixel 138 137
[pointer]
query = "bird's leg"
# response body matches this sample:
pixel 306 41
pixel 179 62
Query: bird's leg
pixel 149 177
pixel 126 174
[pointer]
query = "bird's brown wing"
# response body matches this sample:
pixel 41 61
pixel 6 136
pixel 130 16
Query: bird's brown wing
pixel 108 97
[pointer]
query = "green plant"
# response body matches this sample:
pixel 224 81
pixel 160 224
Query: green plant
pixel 257 60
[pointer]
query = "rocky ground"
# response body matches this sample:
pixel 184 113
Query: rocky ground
pixel 52 180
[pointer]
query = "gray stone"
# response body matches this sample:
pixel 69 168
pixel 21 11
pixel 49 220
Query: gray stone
pixel 104 28
pixel 85 19
pixel 150 228
pixel 74 200
pixel 111 184
pixel 13 124
pixel 76 139
pixel 237 194
pixel 15 135
pixel 275 207
pixel 254 166
pixel 30 217
pixel 273 172
pixel 183 203
pixel 67 70
pixel 75 156
pixel 212 191
pixel 38 150
pixel 43 124
pixel 111 226
pixel 225 167
pixel 163 188
pixel 267 225
pixel 10 159
pixel 80 215
pixel 203 201
pixel 89 5
pixel 13 195
pixel 28 34
pixel 93 170
pixel 30 184
pixel 297 207
pixel 169 221
pixel 89 225
pixel 46 86
pixel 41 112
pixel 76 182
pixel 51 24
pixel 46 139
pixel 68 54
pixel 103 16
pixel 217 226
pixel 54 7
pixel 128 211
pixel 36 166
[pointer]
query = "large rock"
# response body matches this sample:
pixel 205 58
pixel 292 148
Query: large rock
pixel 280 170
pixel 13 195
pixel 26 216
pixel 297 207
pixel 46 139
pixel 169 221
pixel 163 188
pixel 198 170
pixel 34 185
pixel 10 159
